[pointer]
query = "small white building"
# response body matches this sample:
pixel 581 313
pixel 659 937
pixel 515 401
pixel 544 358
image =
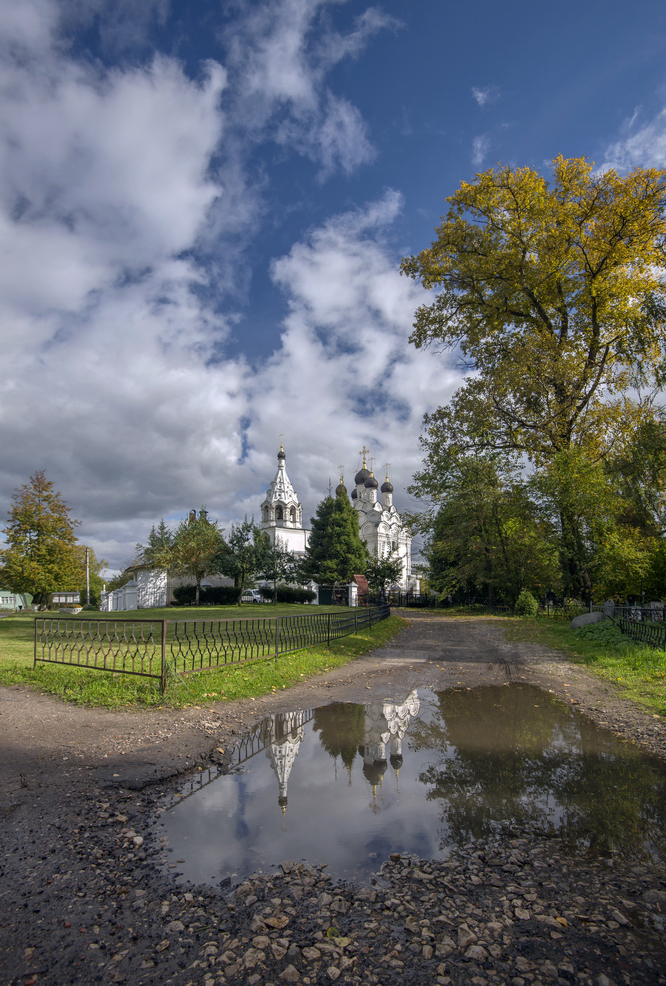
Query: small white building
pixel 151 587
pixel 281 513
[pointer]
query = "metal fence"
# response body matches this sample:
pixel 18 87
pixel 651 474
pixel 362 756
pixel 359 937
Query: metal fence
pixel 643 632
pixel 149 648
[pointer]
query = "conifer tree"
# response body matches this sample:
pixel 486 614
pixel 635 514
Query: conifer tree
pixel 335 550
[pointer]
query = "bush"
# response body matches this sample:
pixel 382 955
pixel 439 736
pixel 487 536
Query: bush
pixel 210 595
pixel 526 604
pixel 289 594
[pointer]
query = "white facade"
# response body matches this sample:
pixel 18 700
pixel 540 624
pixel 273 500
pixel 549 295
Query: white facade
pixel 380 524
pixel 281 513
pixel 151 587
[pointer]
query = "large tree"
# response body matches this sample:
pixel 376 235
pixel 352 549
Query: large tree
pixel 196 546
pixel 244 557
pixel 554 295
pixel 488 537
pixel 335 550
pixel 40 556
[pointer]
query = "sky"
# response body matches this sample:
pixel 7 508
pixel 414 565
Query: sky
pixel 203 207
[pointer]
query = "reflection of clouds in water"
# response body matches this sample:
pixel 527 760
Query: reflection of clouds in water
pixel 476 762
pixel 241 822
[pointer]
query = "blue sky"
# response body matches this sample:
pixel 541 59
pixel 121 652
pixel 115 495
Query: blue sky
pixel 202 211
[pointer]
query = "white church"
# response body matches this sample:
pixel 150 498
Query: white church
pixel 380 524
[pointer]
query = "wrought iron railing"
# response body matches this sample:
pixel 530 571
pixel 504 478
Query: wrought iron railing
pixel 149 647
pixel 643 632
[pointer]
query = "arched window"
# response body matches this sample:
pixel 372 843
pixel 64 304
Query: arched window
pixel 278 513
pixel 292 514
pixel 265 513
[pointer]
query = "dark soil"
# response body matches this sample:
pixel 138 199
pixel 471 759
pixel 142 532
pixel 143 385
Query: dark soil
pixel 82 900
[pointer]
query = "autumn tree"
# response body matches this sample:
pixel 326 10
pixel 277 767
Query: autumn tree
pixel 553 294
pixel 40 556
pixel 335 550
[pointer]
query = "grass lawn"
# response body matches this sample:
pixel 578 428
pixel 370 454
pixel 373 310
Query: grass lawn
pixel 261 677
pixel 639 671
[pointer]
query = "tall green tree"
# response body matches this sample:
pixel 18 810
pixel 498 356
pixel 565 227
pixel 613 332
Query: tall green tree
pixel 40 556
pixel 158 551
pixel 244 557
pixel 279 565
pixel 383 573
pixel 553 293
pixel 335 550
pixel 488 537
pixel 196 545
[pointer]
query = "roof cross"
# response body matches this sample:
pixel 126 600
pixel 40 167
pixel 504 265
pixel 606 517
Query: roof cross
pixel 364 451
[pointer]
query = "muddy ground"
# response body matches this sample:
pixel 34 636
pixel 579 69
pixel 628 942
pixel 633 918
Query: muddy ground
pixel 79 787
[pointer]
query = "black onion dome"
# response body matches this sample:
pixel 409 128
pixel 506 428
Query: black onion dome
pixel 354 494
pixel 341 490
pixel 387 487
pixel 282 454
pixel 371 483
pixel 361 476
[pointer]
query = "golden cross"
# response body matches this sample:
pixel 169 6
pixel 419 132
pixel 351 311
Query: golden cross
pixel 342 475
pixel 281 437
pixel 387 466
pixel 372 465
pixel 364 451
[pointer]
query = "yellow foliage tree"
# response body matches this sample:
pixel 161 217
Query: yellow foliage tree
pixel 553 293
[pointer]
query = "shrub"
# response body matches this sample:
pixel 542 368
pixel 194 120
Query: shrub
pixel 210 595
pixel 526 604
pixel 289 594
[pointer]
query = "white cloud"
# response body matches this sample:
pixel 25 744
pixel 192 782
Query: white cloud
pixel 118 239
pixel 485 96
pixel 480 148
pixel 646 148
pixel 279 65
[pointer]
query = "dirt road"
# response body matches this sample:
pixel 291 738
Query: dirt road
pixel 68 774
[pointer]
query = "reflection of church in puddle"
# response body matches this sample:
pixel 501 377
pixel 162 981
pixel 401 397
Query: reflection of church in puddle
pixel 284 734
pixel 385 725
pixel 377 737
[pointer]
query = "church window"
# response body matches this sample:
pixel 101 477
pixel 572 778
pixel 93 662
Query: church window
pixel 278 513
pixel 292 514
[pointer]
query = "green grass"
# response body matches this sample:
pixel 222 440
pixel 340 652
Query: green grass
pixel 261 677
pixel 638 671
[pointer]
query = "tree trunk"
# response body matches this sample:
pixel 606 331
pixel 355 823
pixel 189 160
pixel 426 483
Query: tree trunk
pixel 196 593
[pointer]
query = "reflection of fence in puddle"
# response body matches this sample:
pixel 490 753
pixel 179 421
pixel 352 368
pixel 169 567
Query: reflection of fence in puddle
pixel 274 731
pixel 268 732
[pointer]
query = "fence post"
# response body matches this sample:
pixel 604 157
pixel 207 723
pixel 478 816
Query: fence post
pixel 163 674
pixel 328 631
pixel 35 653
pixel 277 636
pixel 355 622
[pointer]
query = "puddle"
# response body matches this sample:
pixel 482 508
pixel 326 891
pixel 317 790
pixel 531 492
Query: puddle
pixel 347 784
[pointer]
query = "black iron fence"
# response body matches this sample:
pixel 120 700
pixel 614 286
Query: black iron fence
pixel 645 632
pixel 150 647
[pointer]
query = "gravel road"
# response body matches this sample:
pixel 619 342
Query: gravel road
pixel 83 901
